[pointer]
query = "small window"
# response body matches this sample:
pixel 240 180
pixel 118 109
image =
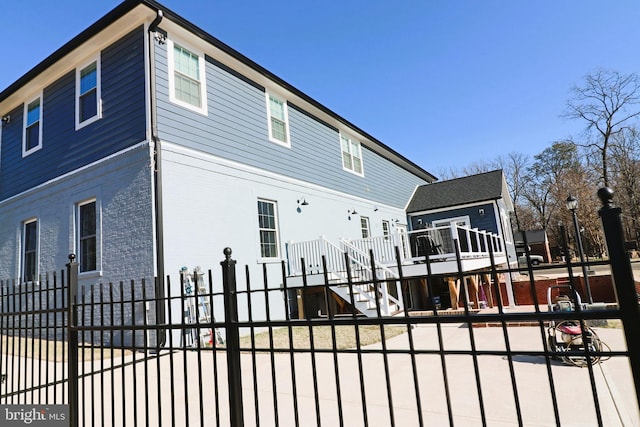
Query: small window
pixel 87 236
pixel 385 229
pixel 364 225
pixel 186 78
pixel 268 228
pixel 30 251
pixel 351 155
pixel 32 140
pixel 88 94
pixel 278 120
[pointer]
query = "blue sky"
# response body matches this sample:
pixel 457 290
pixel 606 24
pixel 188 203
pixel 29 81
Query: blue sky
pixel 445 83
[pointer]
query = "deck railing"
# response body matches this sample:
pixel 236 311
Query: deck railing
pixel 311 253
pixel 438 243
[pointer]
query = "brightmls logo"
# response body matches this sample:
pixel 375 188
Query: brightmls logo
pixel 37 415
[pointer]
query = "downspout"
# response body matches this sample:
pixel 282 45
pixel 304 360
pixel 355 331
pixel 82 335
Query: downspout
pixel 157 181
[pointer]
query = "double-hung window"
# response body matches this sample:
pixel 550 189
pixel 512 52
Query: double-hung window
pixel 268 228
pixel 278 120
pixel 32 138
pixel 385 229
pixel 364 227
pixel 351 155
pixel 88 236
pixel 88 93
pixel 186 78
pixel 30 250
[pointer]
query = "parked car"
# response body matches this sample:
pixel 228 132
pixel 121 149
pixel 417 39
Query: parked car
pixel 533 258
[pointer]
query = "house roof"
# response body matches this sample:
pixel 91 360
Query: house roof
pixel 128 5
pixel 460 191
pixel 533 236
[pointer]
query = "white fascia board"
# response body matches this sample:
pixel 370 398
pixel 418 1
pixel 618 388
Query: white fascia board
pixel 450 208
pixel 258 173
pixel 139 16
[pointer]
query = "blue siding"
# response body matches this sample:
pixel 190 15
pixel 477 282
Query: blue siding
pixel 236 129
pixel 64 149
pixel 481 222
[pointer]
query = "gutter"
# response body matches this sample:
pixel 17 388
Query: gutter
pixel 127 5
pixel 157 183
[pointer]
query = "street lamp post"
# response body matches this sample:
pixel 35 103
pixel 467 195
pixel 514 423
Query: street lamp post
pixel 572 205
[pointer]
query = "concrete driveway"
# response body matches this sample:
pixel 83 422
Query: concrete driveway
pixel 195 391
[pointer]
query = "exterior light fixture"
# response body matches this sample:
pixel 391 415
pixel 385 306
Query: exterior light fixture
pixel 301 202
pixel 572 203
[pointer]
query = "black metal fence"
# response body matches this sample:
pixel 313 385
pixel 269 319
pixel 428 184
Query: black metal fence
pixel 229 353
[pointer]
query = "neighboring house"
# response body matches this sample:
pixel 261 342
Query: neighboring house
pixel 537 241
pixel 479 201
pixel 145 145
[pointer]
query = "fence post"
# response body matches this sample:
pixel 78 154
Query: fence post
pixel 624 284
pixel 72 344
pixel 236 413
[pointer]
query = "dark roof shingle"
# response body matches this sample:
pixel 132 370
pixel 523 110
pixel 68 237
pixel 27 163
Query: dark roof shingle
pixel 459 191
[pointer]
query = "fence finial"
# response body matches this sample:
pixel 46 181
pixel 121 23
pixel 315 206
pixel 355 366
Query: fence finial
pixel 606 197
pixel 72 257
pixel 227 253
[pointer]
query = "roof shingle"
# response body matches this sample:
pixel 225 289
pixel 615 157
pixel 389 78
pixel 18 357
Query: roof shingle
pixel 459 191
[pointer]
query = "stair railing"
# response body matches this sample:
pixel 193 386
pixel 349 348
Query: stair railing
pixel 383 274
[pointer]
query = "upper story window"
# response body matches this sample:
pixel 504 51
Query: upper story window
pixel 268 228
pixel 88 94
pixel 30 250
pixel 88 236
pixel 278 121
pixel 32 138
pixel 351 155
pixel 186 78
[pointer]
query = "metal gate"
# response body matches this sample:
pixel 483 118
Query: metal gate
pixel 105 354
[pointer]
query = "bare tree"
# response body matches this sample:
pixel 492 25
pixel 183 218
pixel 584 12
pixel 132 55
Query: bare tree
pixel 544 186
pixel 515 167
pixel 625 160
pixel 607 101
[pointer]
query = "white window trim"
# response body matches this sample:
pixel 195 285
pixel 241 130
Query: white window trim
pixel 278 257
pixel 98 270
pixel 24 246
pixel 202 77
pixel 365 225
pixel 26 152
pixel 351 139
pixel 98 116
pixel 286 120
pixel 448 221
pixel 386 228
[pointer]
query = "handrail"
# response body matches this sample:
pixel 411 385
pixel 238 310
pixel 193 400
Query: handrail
pixel 438 242
pixel 388 273
pixel 312 251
